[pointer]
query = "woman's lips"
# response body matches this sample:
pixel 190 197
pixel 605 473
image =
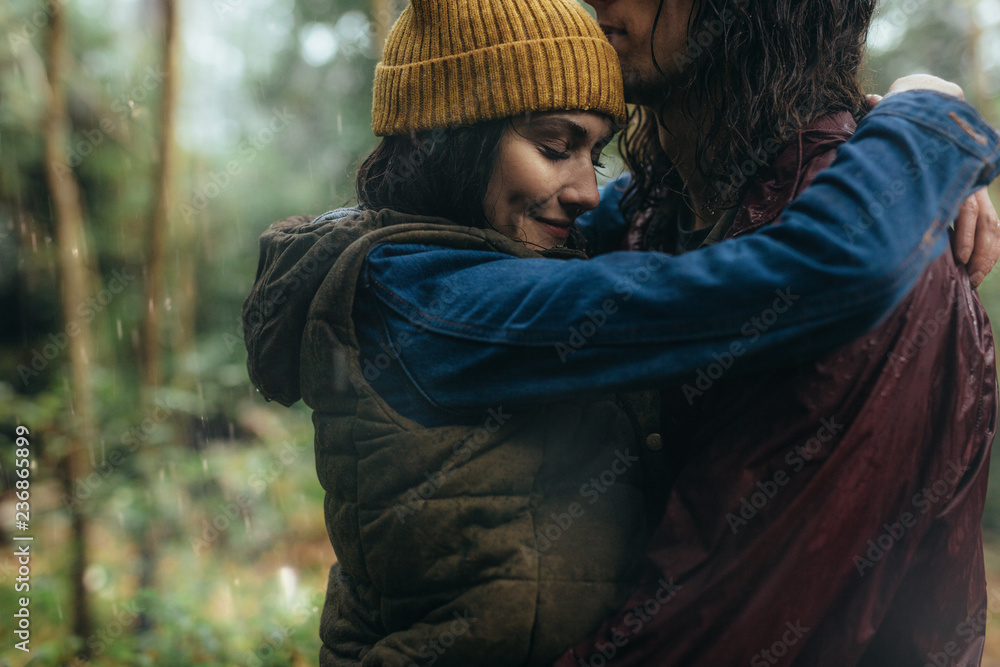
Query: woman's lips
pixel 557 228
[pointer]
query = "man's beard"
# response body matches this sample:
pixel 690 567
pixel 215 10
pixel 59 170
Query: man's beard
pixel 645 87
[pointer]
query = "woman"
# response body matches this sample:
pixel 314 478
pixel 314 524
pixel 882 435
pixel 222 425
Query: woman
pixel 483 481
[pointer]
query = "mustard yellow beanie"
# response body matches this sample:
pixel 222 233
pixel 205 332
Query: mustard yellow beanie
pixel 458 62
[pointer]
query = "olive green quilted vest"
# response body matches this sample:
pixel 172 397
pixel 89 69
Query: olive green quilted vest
pixel 500 542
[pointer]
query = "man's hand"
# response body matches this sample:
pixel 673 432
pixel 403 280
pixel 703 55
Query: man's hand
pixel 976 242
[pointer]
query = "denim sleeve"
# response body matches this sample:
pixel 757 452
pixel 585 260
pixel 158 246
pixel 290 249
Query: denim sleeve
pixel 605 226
pixel 474 329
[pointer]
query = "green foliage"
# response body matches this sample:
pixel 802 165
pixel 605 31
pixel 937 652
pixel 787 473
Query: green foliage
pixel 222 487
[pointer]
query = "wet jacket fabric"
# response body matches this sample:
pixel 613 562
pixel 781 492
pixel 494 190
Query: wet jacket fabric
pixel 825 513
pixel 498 539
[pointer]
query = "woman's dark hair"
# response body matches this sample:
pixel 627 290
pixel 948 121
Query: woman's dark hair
pixel 442 173
pixel 762 71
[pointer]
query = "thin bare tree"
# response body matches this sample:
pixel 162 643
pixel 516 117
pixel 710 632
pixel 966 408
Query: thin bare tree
pixel 159 221
pixel 158 237
pixel 74 277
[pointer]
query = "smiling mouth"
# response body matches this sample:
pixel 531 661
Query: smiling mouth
pixel 557 228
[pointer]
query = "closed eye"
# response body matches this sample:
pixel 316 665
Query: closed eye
pixel 553 154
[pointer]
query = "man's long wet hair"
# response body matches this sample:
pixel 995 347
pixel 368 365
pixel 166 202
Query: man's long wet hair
pixel 761 71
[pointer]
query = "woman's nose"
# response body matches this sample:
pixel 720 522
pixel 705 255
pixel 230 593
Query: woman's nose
pixel 582 195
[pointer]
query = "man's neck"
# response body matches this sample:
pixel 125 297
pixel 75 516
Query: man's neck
pixel 679 136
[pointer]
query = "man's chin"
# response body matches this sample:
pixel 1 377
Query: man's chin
pixel 643 91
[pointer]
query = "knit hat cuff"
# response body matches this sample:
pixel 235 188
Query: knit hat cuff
pixel 559 73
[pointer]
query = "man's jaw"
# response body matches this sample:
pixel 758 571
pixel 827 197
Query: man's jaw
pixel 635 83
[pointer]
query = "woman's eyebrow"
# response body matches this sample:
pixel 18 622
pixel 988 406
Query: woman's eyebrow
pixel 575 130
pixel 554 122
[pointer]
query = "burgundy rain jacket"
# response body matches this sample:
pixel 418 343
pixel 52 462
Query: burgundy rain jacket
pixel 824 513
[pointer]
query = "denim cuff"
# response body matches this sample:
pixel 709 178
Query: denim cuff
pixel 948 117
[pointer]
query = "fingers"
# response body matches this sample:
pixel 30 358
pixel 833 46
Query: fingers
pixel 926 82
pixel 964 240
pixel 987 244
pixel 873 101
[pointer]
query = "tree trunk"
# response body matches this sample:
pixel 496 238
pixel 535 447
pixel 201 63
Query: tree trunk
pixel 159 222
pixel 189 255
pixel 158 235
pixel 72 249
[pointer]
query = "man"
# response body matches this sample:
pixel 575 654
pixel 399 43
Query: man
pixel 824 512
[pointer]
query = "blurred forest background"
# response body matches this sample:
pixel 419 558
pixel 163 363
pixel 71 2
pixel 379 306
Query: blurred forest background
pixel 177 519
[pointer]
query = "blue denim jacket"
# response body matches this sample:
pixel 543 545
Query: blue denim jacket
pixel 445 332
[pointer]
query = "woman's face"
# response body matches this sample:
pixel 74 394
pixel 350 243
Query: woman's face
pixel 544 175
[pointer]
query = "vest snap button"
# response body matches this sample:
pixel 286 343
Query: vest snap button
pixel 654 442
